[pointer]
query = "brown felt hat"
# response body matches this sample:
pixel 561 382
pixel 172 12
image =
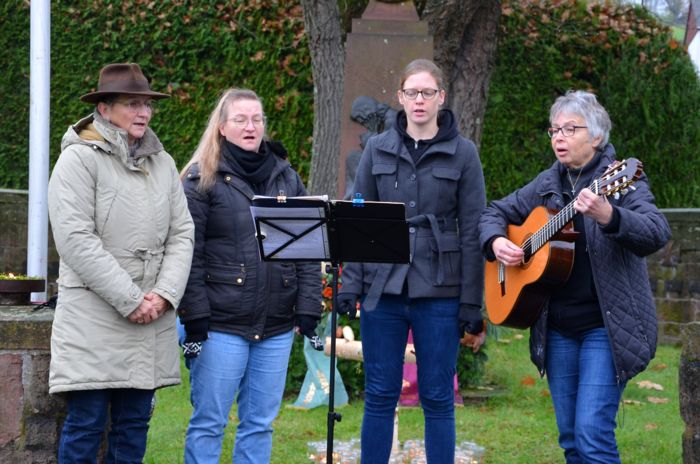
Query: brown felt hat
pixel 121 78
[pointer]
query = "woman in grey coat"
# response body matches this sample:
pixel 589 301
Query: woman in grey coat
pixel 598 328
pixel 424 163
pixel 125 237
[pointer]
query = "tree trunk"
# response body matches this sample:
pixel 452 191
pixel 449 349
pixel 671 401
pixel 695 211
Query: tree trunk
pixel 464 33
pixel 323 28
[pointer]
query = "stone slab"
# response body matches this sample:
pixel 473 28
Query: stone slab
pixel 23 328
pixel 11 398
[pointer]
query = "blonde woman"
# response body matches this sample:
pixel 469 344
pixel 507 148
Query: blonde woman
pixel 238 311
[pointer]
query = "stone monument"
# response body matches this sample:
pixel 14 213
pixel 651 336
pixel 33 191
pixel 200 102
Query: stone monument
pixel 387 37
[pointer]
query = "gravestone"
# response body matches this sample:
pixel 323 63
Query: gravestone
pixel 383 41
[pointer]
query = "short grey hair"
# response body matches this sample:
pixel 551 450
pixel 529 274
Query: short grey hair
pixel 586 105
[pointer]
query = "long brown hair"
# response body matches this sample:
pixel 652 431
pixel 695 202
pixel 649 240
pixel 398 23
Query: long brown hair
pixel 208 152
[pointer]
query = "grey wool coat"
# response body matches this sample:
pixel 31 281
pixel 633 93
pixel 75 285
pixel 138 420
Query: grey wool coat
pixel 122 229
pixel 617 260
pixel 444 195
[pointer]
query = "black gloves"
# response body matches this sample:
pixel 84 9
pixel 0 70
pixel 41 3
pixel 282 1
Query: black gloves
pixel 195 333
pixel 347 304
pixel 307 327
pixel 470 319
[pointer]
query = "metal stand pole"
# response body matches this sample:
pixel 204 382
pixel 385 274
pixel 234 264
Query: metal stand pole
pixel 332 415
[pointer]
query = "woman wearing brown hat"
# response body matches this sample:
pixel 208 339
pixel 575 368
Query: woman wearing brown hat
pixel 125 237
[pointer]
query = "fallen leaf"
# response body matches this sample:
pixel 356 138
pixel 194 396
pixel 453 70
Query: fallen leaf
pixel 545 393
pixel 658 367
pixel 651 427
pixel 633 402
pixel 649 385
pixel 528 381
pixel 657 400
pixel 518 336
pixel 503 340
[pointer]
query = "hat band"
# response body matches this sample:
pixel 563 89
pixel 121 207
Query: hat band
pixel 125 87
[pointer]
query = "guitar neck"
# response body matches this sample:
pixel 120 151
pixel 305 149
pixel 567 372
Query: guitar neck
pixel 553 226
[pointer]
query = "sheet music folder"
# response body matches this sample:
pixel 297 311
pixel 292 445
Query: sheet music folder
pixel 316 229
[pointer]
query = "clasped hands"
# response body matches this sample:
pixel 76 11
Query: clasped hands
pixel 151 308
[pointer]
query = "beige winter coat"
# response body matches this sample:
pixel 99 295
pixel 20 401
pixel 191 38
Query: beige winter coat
pixel 122 229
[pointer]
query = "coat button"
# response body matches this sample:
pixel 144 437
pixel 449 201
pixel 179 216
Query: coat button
pixel 239 281
pixel 412 204
pixel 412 230
pixel 412 177
pixel 257 337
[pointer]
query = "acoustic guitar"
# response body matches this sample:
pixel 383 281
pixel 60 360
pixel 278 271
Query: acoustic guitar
pixel 515 295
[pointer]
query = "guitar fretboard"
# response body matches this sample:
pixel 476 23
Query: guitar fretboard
pixel 553 226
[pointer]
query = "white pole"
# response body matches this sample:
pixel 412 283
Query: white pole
pixel 39 95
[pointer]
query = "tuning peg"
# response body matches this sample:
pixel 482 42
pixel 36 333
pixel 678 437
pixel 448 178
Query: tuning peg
pixel 624 191
pixel 616 195
pixel 633 188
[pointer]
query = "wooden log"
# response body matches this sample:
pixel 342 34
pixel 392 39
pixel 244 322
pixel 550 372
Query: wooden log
pixel 346 349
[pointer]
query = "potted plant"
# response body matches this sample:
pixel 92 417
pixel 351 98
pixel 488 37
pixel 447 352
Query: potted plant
pixel 16 289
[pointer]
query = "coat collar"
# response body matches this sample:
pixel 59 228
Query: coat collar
pixel 96 131
pixel 391 142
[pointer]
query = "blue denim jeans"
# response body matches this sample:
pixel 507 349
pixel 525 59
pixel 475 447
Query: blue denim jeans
pixel 586 395
pixel 129 410
pixel 252 373
pixel 436 340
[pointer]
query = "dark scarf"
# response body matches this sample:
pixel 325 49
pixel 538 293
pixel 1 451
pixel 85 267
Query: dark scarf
pixel 254 167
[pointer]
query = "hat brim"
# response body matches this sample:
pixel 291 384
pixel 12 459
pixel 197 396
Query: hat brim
pixel 96 97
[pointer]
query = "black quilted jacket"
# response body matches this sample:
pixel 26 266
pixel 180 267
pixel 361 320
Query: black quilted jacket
pixel 617 261
pixel 228 283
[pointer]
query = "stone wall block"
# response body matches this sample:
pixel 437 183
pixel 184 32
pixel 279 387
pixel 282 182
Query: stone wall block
pixel 36 380
pixel 688 388
pixel 691 446
pixel 11 394
pixel 674 310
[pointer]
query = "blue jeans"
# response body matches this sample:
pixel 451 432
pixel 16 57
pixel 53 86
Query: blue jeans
pixel 586 395
pixel 83 429
pixel 252 373
pixel 436 340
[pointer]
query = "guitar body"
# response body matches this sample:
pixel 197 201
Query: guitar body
pixel 518 301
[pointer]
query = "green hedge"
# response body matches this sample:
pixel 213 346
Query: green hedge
pixel 640 73
pixel 193 50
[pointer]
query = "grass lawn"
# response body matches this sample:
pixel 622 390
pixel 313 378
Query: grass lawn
pixel 516 424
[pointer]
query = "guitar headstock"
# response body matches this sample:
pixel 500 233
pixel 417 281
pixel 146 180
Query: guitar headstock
pixel 619 176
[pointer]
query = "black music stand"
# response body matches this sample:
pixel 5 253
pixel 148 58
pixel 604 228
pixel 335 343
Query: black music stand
pixel 313 228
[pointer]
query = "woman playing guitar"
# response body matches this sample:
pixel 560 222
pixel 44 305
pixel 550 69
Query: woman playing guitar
pixel 595 326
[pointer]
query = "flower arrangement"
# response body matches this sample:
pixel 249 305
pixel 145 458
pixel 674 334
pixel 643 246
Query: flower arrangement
pixel 327 285
pixel 11 276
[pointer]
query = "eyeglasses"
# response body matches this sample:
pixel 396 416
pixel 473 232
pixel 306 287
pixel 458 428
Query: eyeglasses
pixel 135 106
pixel 427 94
pixel 568 131
pixel 242 122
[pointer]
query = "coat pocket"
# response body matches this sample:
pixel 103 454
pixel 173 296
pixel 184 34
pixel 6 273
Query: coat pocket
pixel 446 179
pixel 385 175
pixel 225 288
pixel 446 260
pixel 288 290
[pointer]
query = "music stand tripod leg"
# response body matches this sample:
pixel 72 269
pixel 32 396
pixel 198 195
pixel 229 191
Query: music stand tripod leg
pixel 332 415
